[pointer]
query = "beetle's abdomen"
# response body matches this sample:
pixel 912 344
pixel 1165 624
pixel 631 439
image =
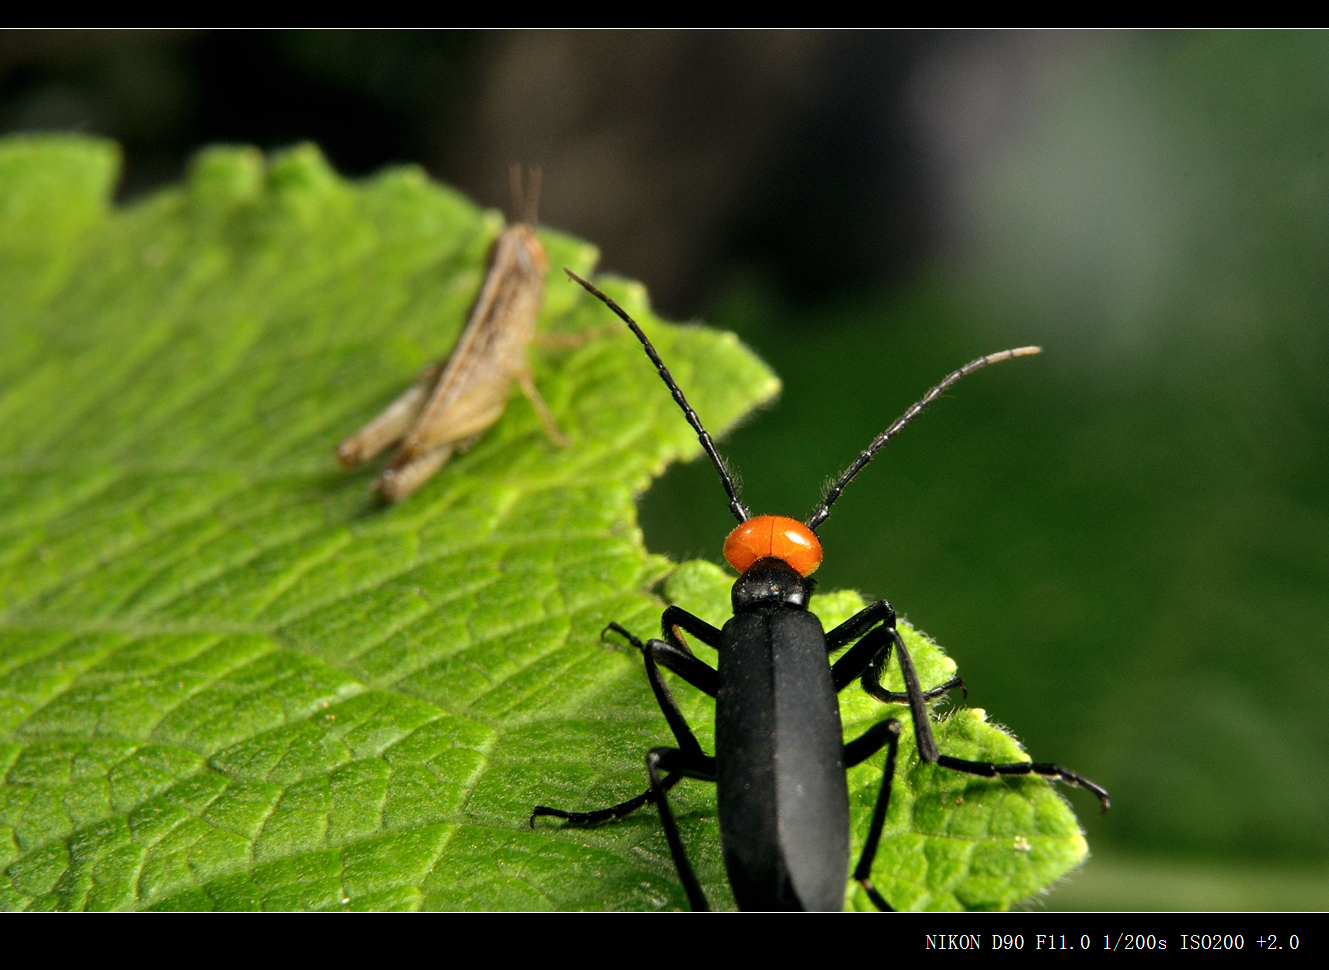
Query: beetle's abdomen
pixel 779 746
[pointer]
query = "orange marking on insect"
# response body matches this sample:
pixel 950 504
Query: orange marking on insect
pixel 773 535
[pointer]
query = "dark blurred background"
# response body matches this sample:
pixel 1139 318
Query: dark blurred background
pixel 1124 542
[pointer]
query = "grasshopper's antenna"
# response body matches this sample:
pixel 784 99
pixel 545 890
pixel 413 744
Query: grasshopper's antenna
pixel 515 188
pixel 738 508
pixel 525 201
pixel 823 511
pixel 531 214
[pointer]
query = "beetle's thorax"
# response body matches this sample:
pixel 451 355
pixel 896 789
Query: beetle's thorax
pixel 770 582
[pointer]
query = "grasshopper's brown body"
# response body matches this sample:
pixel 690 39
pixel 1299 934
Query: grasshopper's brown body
pixel 451 405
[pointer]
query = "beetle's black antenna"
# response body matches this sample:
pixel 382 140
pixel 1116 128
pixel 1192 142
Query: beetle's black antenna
pixel 738 508
pixel 822 512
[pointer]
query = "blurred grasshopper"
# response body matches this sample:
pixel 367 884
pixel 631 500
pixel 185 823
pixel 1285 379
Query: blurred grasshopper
pixel 450 405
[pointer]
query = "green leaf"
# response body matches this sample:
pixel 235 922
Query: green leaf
pixel 230 679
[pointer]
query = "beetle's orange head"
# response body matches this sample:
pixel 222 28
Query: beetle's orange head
pixel 773 535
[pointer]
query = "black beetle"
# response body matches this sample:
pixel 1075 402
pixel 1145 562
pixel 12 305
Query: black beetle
pixel 780 756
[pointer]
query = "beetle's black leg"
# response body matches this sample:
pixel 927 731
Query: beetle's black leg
pixel 869 656
pixel 600 816
pixel 687 741
pixel 902 697
pixel 660 653
pixel 675 618
pixel 704 770
pixel 856 752
pixel 987 769
pixel 624 633
pixel 674 760
pixel 872 740
pixel 677 765
pixel 860 657
pixel 655 651
pixel 686 761
pixel 678 658
pixel 859 624
pixel 927 744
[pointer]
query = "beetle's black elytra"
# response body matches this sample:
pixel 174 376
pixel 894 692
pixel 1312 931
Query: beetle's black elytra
pixel 780 756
